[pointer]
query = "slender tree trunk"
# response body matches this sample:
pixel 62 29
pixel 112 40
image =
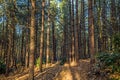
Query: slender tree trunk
pixel 104 48
pixel 22 48
pixel 113 20
pixel 27 49
pixel 13 49
pixel 79 33
pixel 118 8
pixel 9 42
pixel 113 16
pixel 54 43
pixel 84 28
pixel 72 29
pixel 8 51
pixel 76 33
pixel 64 55
pixel 32 41
pixel 91 31
pixel 48 36
pixel 100 41
pixel 42 35
pixel 70 20
pixel 27 38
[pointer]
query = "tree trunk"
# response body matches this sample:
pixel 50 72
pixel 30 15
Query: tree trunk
pixel 72 29
pixel 76 33
pixel 84 28
pixel 104 37
pixel 8 50
pixel 42 35
pixel 54 43
pixel 32 41
pixel 48 36
pixel 113 16
pixel 91 31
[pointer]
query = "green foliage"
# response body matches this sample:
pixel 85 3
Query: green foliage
pixel 37 63
pixel 2 67
pixel 116 42
pixel 109 60
pixel 114 79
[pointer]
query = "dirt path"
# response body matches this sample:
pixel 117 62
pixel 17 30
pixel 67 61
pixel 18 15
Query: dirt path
pixel 49 74
pixel 75 72
pixel 58 72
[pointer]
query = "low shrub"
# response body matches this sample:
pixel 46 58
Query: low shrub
pixel 37 62
pixel 116 42
pixel 109 60
pixel 2 67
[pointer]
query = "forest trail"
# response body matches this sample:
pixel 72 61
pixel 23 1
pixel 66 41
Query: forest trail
pixel 66 72
pixel 61 72
pixel 79 72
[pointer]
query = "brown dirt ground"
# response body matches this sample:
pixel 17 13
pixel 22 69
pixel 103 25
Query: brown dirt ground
pixel 78 72
pixel 58 72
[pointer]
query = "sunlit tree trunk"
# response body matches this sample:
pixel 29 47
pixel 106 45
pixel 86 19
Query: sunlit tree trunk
pixel 32 41
pixel 48 36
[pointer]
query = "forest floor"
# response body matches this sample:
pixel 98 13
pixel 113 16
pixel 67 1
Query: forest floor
pixel 61 72
pixel 79 72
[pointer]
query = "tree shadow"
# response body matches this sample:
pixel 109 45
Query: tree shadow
pixel 80 71
pixel 77 72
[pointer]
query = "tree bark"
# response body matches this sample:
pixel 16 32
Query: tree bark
pixel 48 36
pixel 42 35
pixel 91 31
pixel 54 43
pixel 32 41
pixel 72 29
pixel 76 33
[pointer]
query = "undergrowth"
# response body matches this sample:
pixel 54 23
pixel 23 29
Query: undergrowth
pixel 2 67
pixel 109 62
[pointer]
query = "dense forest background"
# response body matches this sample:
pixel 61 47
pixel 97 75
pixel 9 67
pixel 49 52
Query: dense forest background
pixel 38 33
